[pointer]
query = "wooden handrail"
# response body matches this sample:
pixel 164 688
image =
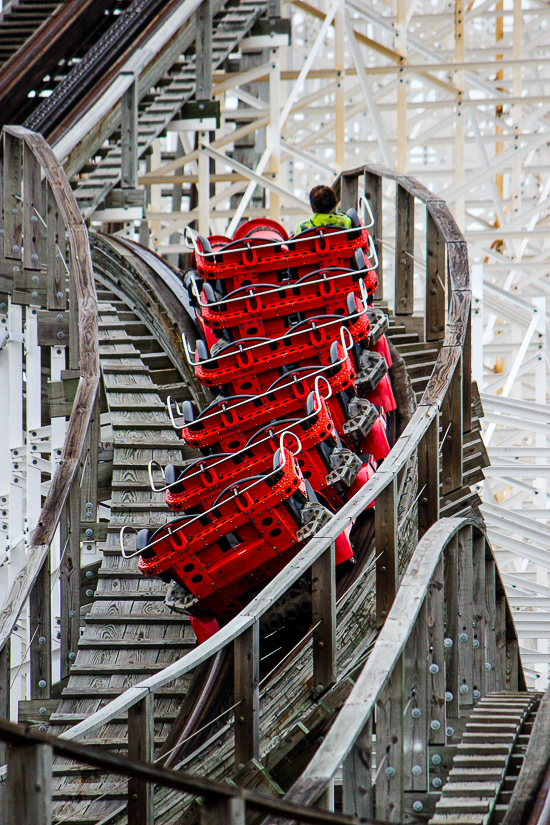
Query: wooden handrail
pixel 451 356
pixel 210 790
pixel 388 648
pixel 77 428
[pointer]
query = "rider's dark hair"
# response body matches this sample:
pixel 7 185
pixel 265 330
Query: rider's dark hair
pixel 322 199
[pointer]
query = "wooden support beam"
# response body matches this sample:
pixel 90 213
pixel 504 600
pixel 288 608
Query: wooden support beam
pixel 13 205
pixel 428 478
pixel 385 515
pixel 90 460
pixel 203 50
pixel 40 629
pixel 129 137
pixel 224 812
pixel 478 601
pixel 358 791
pixel 451 433
pixel 389 748
pixel 465 620
pixel 34 253
pixel 247 695
pixel 323 584
pixel 141 721
pixel 349 192
pixel 435 621
pixel 373 193
pixel 415 718
pixel 436 255
pixel 490 664
pixel 404 252
pixel 5 680
pixel 55 252
pixel 69 578
pixel 452 629
pixel 29 784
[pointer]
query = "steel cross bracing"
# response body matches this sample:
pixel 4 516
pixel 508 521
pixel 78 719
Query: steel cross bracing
pixel 454 93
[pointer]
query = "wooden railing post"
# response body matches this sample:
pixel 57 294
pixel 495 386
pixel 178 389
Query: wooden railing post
pixel 490 665
pixel 450 641
pixel 5 679
pixel 436 256
pixel 40 629
pixel 29 785
pixel 478 641
pixel 465 618
pixel 451 434
pixel 55 254
pixel 404 252
pixel 69 578
pixel 323 590
pixel 247 695
pixel 435 607
pixel 385 517
pixel 13 208
pixel 428 478
pixel 389 748
pixel 358 792
pixel 415 720
pixel 141 728
pixel 373 193
pixel 349 192
pixel 223 811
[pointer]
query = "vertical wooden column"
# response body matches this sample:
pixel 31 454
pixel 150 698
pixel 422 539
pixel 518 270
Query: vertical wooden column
pixel 29 785
pixel 478 642
pixel 129 136
pixel 55 250
pixel 389 748
pixel 247 694
pixel 40 630
pixel 435 619
pixel 74 340
pixel 90 461
pixel 500 637
pixel 450 641
pixel 428 478
pixel 434 317
pixel 69 578
pixel 5 680
pixel 467 375
pixel 34 253
pixel 13 207
pixel 490 664
pixel 323 588
pixel 465 619
pixel 141 729
pixel 451 433
pixel 224 811
pixel 385 516
pixel 373 193
pixel 404 252
pixel 349 192
pixel 415 718
pixel 358 792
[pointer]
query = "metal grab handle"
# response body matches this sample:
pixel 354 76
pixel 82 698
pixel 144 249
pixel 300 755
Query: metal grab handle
pixel 373 254
pixel 151 481
pixel 172 419
pixel 188 236
pixel 136 552
pixel 295 437
pixel 366 205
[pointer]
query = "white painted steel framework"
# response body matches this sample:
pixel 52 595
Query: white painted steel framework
pixel 455 93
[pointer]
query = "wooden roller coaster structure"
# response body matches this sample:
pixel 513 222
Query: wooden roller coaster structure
pixel 435 657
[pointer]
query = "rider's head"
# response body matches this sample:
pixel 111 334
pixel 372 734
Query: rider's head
pixel 323 199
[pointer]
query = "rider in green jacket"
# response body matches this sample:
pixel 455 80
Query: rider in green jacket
pixel 323 203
